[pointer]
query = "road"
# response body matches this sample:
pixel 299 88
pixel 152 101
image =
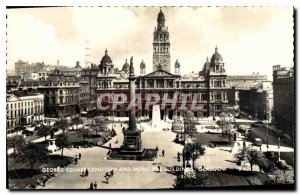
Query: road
pixel 261 133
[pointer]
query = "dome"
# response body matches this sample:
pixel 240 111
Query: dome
pixel 143 65
pixel 216 56
pixel 125 67
pixel 106 59
pixel 160 16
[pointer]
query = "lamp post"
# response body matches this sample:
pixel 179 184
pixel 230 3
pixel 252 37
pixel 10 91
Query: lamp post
pixel 278 148
pixel 112 122
pixel 267 123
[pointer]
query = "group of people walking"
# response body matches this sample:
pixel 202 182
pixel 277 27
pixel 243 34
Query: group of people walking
pixel 93 185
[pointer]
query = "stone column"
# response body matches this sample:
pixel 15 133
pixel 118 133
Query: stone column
pixel 132 116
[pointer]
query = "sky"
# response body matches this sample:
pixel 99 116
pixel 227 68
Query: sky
pixel 250 39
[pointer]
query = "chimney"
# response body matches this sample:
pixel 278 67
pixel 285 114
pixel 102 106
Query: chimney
pixel 77 64
pixel 57 63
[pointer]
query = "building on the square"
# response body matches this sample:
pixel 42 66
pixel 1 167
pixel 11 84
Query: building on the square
pixel 241 82
pixel 12 82
pixel 284 99
pixel 257 100
pixel 22 67
pixel 24 109
pixel 68 71
pixel 208 86
pixel 65 94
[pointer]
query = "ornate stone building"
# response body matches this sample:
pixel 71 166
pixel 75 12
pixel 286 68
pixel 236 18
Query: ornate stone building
pixel 24 109
pixel 284 99
pixel 208 88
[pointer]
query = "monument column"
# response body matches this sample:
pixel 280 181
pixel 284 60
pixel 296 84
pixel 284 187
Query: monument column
pixel 132 116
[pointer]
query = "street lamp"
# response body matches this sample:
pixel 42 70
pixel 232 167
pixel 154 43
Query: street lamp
pixel 267 123
pixel 112 122
pixel 278 148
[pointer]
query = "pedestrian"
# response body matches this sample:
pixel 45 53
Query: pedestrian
pixel 107 178
pixel 83 175
pixel 163 153
pixel 95 185
pixel 178 155
pixel 75 160
pixel 110 145
pixel 158 168
pixel 156 148
pixel 86 173
pixel 91 186
pixel 79 155
pixel 112 172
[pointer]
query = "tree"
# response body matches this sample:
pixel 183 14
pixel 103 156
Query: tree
pixel 17 142
pixel 223 116
pixel 196 180
pixel 76 120
pixel 227 130
pixel 62 124
pixel 226 126
pixel 43 130
pixel 62 142
pixel 189 114
pixel 33 153
pixel 98 124
pixel 253 156
pixel 193 151
pixel 283 177
pixel 83 133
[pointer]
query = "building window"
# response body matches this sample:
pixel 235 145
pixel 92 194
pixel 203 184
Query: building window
pixel 61 100
pixel 218 97
pixel 217 107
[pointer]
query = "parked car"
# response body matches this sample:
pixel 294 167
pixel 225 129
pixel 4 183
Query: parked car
pixel 27 133
pixel 257 142
pixel 281 164
pixel 254 125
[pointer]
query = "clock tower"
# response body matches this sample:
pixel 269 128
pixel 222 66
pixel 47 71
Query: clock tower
pixel 161 45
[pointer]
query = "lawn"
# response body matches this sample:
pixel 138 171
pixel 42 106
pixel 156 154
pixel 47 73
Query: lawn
pixel 235 178
pixel 206 138
pixel 18 174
